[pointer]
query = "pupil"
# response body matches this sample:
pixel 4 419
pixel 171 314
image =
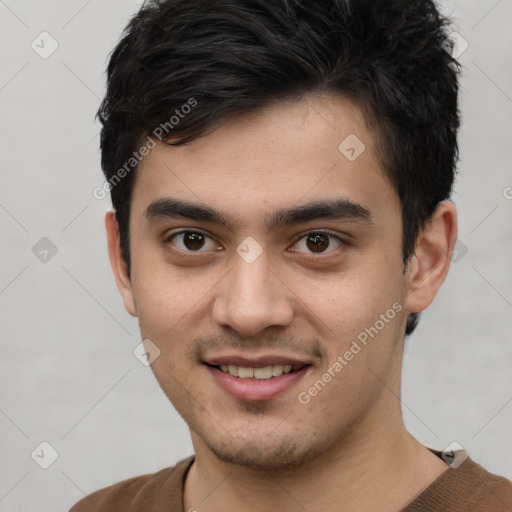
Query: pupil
pixel 193 241
pixel 318 242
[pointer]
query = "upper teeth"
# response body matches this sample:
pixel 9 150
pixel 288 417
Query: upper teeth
pixel 243 372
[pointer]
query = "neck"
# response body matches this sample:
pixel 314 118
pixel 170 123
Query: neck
pixel 378 466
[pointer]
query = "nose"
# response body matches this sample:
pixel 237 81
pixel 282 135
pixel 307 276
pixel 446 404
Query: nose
pixel 252 297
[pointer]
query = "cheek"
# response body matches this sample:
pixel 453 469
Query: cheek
pixel 168 297
pixel 348 302
pixel 360 315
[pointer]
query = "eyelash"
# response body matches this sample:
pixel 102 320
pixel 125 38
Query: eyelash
pixel 310 256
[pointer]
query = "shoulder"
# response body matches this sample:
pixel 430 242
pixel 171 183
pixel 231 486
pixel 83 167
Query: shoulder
pixel 488 491
pixel 465 488
pixel 152 491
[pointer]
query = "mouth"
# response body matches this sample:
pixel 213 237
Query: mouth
pixel 256 379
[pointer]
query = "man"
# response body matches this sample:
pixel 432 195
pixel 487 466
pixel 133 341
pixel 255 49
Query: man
pixel 280 173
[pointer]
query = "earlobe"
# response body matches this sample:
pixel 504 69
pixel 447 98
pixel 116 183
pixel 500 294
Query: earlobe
pixel 119 267
pixel 428 267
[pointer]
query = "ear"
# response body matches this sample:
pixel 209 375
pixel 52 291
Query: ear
pixel 428 267
pixel 119 267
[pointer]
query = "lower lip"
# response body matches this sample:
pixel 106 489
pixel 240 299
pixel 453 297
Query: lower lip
pixel 254 389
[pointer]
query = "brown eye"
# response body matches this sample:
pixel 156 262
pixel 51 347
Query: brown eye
pixel 318 242
pixel 192 241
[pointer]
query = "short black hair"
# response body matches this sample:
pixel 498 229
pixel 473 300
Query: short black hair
pixel 225 57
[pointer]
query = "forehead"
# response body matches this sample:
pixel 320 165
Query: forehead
pixel 284 155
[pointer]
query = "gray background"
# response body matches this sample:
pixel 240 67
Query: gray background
pixel 68 373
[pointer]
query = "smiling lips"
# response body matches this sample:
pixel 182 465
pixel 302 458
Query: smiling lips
pixel 256 378
pixel 263 367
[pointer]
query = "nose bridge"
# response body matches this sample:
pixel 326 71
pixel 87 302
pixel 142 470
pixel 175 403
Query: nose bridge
pixel 252 280
pixel 252 298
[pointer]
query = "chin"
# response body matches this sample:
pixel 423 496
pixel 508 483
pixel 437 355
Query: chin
pixel 265 454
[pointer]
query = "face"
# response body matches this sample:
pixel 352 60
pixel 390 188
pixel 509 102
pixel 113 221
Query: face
pixel 262 246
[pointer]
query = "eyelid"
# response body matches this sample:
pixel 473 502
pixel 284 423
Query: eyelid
pixel 335 234
pixel 344 236
pixel 179 231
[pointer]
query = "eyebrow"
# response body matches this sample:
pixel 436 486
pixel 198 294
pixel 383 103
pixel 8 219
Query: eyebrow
pixel 335 209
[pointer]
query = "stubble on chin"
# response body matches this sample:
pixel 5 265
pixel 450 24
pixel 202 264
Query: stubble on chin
pixel 260 456
pixel 271 452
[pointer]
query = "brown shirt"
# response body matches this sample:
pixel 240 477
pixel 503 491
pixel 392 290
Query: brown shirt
pixel 467 488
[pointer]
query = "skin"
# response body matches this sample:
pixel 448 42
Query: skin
pixel 347 447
